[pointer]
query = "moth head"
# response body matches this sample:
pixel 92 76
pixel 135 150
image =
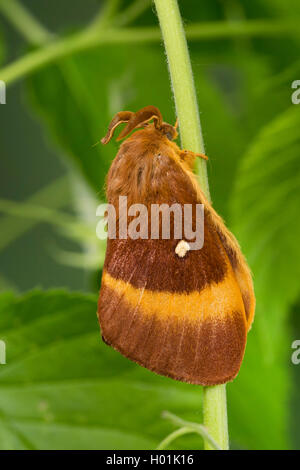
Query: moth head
pixel 169 130
pixel 137 120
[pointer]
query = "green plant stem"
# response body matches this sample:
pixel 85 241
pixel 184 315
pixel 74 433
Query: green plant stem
pixel 55 195
pixel 182 81
pixel 174 435
pixel 105 14
pixel 214 404
pixel 215 415
pixel 195 427
pixel 24 22
pixel 44 214
pixel 134 10
pixel 91 38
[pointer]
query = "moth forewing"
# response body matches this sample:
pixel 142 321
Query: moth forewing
pixel 180 312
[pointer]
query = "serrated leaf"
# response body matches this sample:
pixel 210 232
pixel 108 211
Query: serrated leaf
pixel 63 388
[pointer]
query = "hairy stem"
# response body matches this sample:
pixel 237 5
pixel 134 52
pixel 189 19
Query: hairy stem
pixel 214 403
pixel 182 81
pixel 215 415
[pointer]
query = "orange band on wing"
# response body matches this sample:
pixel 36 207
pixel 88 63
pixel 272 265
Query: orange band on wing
pixel 196 337
pixel 216 300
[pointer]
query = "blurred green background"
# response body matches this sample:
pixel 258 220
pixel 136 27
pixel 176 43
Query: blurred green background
pixel 62 388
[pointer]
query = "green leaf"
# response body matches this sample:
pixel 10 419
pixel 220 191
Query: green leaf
pixel 265 207
pixel 63 388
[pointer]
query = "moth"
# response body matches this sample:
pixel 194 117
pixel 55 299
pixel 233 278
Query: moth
pixel 181 313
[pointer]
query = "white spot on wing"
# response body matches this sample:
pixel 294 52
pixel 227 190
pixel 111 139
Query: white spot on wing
pixel 182 248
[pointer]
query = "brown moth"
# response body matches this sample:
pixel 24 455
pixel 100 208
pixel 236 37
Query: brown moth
pixel 181 313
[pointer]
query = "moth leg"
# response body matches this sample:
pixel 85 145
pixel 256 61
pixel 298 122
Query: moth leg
pixel 189 157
